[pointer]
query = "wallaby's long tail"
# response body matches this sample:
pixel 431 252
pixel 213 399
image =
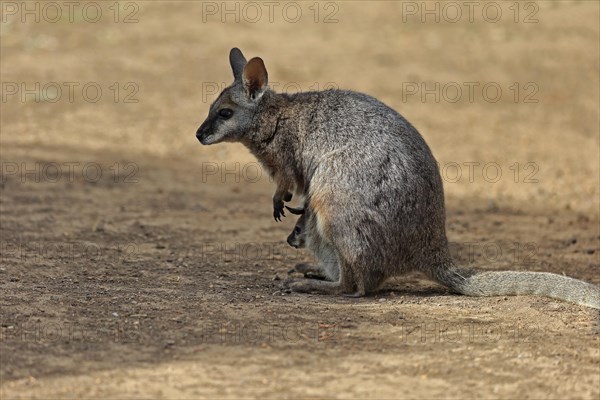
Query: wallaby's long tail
pixel 505 283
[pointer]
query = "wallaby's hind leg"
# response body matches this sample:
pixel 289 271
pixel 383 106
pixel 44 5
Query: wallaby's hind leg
pixel 313 286
pixel 345 285
pixel 327 269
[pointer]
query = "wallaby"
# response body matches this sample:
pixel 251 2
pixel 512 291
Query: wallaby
pixel 371 187
pixel 297 239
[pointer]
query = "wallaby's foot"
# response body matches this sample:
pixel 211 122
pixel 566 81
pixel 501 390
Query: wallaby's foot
pixel 355 294
pixel 287 197
pixel 312 286
pixel 278 210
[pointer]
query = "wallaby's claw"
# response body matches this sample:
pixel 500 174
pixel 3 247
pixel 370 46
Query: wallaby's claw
pixel 287 197
pixel 278 212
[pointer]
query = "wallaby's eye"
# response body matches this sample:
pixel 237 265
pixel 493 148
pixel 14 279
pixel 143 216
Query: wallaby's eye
pixel 225 113
pixel 297 230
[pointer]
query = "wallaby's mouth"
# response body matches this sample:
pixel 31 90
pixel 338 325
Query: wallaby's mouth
pixel 205 140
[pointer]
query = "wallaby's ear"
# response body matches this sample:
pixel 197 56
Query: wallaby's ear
pixel 238 62
pixel 255 78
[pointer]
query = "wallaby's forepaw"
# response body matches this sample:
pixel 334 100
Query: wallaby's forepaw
pixel 278 205
pixel 309 271
pixel 278 210
pixel 298 285
pixel 302 268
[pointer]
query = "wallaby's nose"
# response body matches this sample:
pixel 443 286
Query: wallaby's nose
pixel 290 241
pixel 199 133
pixel 202 132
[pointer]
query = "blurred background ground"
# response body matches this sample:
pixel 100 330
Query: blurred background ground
pixel 130 257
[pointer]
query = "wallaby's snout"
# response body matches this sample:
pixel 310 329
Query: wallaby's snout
pixel 291 241
pixel 296 238
pixel 219 125
pixel 203 132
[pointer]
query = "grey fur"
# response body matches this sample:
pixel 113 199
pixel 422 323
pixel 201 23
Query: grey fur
pixel 371 187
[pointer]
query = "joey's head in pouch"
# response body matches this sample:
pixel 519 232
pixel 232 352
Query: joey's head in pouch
pixel 297 238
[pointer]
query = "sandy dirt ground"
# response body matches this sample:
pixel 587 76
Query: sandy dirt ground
pixel 136 263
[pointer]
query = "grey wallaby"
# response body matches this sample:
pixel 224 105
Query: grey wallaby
pixel 297 239
pixel 371 189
